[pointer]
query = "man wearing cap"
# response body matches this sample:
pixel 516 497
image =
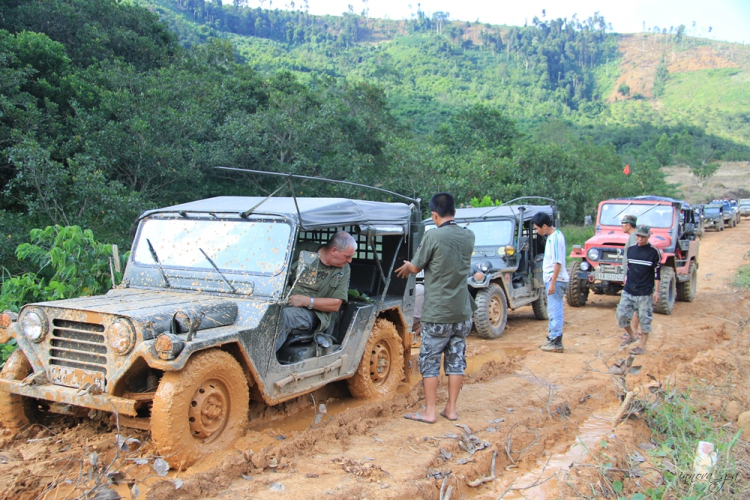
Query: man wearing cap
pixel 641 288
pixel 628 227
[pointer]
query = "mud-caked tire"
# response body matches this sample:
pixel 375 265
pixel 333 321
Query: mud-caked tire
pixel 732 222
pixel 491 315
pixel 686 289
pixel 16 412
pixel 382 366
pixel 667 291
pixel 540 305
pixel 721 226
pixel 578 290
pixel 199 409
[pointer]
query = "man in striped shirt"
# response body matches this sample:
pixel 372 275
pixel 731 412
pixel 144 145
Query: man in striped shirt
pixel 556 279
pixel 641 289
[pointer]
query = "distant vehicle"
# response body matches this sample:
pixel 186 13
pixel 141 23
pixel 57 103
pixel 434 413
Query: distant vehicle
pixel 188 338
pixel 731 212
pixel 745 207
pixel 713 216
pixel 598 265
pixel 508 256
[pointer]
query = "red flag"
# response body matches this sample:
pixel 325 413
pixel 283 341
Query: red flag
pixel 626 170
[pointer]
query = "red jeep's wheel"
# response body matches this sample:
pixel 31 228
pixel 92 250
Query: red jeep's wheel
pixel 578 290
pixel 686 289
pixel 667 291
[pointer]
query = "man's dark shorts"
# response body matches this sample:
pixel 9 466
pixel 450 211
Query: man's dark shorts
pixel 443 338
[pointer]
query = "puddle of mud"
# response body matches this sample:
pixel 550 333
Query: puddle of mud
pixel 257 439
pixel 589 434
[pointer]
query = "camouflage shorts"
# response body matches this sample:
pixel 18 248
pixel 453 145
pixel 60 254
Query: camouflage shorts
pixel 443 338
pixel 629 304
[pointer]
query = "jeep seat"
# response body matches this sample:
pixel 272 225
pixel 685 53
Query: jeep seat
pixel 300 344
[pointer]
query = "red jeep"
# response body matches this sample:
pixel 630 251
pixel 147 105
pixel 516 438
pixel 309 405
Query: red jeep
pixel 673 232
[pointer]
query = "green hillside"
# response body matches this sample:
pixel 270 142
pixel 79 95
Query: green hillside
pixel 552 69
pixel 108 108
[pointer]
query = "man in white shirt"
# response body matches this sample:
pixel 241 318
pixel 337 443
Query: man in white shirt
pixel 556 278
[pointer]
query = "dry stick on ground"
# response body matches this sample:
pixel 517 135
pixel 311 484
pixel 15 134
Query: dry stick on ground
pixel 420 489
pixel 509 443
pixel 485 479
pixel 532 485
pixel 551 391
pixel 623 409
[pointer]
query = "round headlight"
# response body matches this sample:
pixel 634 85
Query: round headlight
pixel 510 250
pixel 485 266
pixel 585 266
pixel 121 337
pixel 593 254
pixel 34 325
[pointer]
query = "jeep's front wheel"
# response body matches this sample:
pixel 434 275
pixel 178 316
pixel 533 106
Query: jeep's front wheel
pixel 492 312
pixel 382 366
pixel 578 290
pixel 16 412
pixel 667 291
pixel 686 289
pixel 199 409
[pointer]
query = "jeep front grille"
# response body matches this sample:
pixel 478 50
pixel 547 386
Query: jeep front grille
pixel 78 345
pixel 611 255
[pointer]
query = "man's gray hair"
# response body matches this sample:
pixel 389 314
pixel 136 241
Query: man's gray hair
pixel 342 241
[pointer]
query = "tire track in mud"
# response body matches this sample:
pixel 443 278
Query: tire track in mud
pixel 527 406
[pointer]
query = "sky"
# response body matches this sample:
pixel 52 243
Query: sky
pixel 729 19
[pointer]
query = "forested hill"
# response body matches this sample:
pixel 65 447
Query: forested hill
pixel 572 69
pixel 108 108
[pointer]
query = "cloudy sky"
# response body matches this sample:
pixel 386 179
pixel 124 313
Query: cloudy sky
pixel 729 19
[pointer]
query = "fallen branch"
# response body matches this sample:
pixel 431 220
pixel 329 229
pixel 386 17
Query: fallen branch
pixel 623 409
pixel 485 479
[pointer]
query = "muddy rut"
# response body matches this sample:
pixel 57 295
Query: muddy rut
pixel 519 405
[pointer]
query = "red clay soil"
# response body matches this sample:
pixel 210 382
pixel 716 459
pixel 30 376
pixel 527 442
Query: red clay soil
pixel 520 404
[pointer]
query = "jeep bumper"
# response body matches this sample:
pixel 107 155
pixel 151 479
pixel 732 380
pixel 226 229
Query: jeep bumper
pixel 70 396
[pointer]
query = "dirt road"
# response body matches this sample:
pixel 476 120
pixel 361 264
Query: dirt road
pixel 520 404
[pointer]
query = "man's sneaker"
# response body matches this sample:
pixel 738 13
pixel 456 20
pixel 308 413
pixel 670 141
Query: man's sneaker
pixel 553 345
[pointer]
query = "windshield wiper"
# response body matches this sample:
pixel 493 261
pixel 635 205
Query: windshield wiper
pixel 217 269
pixel 158 263
pixel 621 211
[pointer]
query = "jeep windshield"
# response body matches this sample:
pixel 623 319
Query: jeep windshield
pixel 712 210
pixel 249 247
pixel 648 215
pixel 487 232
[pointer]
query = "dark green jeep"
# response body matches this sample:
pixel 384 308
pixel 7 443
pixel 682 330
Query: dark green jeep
pixel 187 340
pixel 506 271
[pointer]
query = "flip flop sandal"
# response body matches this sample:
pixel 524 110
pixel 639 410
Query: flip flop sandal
pixel 627 342
pixel 442 414
pixel 638 350
pixel 417 418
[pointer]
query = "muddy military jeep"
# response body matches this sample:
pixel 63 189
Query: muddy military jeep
pixel 713 216
pixel 597 267
pixel 187 341
pixel 508 255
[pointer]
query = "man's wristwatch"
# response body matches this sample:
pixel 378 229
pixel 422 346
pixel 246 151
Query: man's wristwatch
pixel 312 302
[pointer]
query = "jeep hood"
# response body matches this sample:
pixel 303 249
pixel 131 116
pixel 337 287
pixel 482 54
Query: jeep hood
pixel 153 307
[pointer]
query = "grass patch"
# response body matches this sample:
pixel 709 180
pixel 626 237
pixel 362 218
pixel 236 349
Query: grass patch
pixel 678 427
pixel 576 235
pixel 742 279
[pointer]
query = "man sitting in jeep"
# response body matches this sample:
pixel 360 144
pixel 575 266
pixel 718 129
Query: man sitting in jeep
pixel 313 300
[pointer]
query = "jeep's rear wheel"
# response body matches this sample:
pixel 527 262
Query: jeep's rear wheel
pixel 686 289
pixel 16 412
pixel 578 290
pixel 491 315
pixel 540 305
pixel 199 409
pixel 667 291
pixel 382 366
